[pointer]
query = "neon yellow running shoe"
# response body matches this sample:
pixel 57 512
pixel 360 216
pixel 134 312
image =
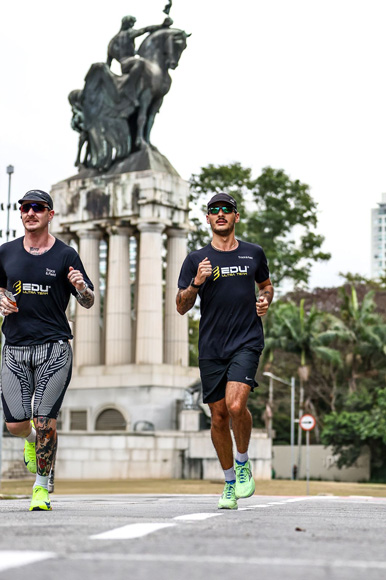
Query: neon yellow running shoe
pixel 245 484
pixel 40 500
pixel 30 455
pixel 228 499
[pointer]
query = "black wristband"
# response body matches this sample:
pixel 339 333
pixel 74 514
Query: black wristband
pixel 194 285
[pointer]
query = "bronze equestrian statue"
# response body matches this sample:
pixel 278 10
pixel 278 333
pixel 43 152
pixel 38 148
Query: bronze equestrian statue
pixel 114 114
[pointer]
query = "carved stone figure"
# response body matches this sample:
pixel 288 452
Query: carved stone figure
pixel 114 114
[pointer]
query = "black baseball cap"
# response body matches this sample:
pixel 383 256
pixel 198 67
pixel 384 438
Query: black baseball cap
pixel 223 197
pixel 38 195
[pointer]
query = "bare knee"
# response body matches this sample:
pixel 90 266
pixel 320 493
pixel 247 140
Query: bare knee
pixel 21 429
pixel 237 409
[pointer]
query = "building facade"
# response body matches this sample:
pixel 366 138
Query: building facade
pixel 378 239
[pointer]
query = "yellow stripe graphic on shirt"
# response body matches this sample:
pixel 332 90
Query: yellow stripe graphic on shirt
pixel 17 286
pixel 216 273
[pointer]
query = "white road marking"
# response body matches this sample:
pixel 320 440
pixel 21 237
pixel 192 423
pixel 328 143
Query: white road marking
pixel 252 507
pixel 200 516
pixel 272 503
pixel 293 499
pixel 234 560
pixel 130 531
pixel 258 505
pixel 17 558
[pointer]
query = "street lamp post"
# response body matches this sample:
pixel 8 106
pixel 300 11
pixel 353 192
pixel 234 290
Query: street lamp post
pixel 291 384
pixel 10 170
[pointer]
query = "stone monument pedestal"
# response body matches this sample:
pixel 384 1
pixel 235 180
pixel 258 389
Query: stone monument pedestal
pixel 139 208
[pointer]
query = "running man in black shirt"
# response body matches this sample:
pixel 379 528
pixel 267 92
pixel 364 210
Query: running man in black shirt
pixel 38 273
pixel 224 274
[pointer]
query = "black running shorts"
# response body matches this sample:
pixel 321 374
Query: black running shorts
pixel 42 371
pixel 216 373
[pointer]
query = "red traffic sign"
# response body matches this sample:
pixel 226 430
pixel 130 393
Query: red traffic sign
pixel 307 422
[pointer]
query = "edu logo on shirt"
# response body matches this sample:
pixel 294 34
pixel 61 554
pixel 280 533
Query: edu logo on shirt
pixel 229 271
pixel 30 288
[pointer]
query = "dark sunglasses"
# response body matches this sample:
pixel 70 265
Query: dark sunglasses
pixel 36 207
pixel 225 208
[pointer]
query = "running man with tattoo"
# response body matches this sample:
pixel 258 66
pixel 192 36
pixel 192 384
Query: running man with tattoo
pixel 224 274
pixel 38 273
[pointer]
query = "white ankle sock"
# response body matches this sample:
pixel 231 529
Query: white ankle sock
pixel 241 457
pixel 32 436
pixel 230 474
pixel 41 480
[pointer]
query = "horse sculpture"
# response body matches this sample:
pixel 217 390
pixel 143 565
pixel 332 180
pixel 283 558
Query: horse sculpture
pixel 115 114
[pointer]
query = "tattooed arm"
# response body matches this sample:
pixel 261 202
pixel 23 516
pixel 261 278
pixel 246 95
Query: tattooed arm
pixel 84 295
pixel 187 297
pixel 265 297
pixel 86 299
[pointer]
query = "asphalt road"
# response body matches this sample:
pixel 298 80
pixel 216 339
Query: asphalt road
pixel 170 537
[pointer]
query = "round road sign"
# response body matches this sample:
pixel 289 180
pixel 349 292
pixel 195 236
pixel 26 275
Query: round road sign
pixel 307 422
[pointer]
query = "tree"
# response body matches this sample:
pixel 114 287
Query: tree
pixel 367 330
pixel 347 384
pixel 293 330
pixel 360 419
pixel 277 213
pixel 362 422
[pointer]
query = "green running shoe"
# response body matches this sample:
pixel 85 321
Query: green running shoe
pixel 30 455
pixel 40 500
pixel 228 499
pixel 245 484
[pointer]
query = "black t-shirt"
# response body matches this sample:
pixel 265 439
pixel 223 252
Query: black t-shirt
pixel 228 301
pixel 41 289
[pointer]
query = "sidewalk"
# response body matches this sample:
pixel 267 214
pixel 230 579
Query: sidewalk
pixel 177 486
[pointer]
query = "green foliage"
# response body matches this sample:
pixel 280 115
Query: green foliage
pixel 356 279
pixel 277 213
pixel 305 334
pixel 361 422
pixel 346 358
pixel 193 340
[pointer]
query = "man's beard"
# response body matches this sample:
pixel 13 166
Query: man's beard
pixel 223 232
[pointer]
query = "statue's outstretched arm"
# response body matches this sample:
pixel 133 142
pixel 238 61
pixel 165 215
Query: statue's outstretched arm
pixel 166 23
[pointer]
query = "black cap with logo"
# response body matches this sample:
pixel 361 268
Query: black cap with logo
pixel 38 195
pixel 224 198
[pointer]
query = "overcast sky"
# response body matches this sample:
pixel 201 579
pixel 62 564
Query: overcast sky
pixel 294 84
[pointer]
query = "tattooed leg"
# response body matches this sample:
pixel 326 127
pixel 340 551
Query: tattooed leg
pixel 51 478
pixel 46 442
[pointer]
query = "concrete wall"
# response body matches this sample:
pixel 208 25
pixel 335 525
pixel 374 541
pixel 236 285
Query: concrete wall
pixel 166 454
pixel 140 392
pixel 322 464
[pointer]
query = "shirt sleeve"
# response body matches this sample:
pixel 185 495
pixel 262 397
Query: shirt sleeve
pixel 188 271
pixel 262 272
pixel 3 275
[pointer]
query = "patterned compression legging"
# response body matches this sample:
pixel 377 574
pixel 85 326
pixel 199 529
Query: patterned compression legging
pixel 42 371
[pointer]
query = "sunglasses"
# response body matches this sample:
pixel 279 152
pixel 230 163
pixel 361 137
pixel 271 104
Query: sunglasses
pixel 36 207
pixel 225 208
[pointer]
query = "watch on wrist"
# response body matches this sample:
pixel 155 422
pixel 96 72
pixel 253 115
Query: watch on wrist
pixel 84 289
pixel 194 285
